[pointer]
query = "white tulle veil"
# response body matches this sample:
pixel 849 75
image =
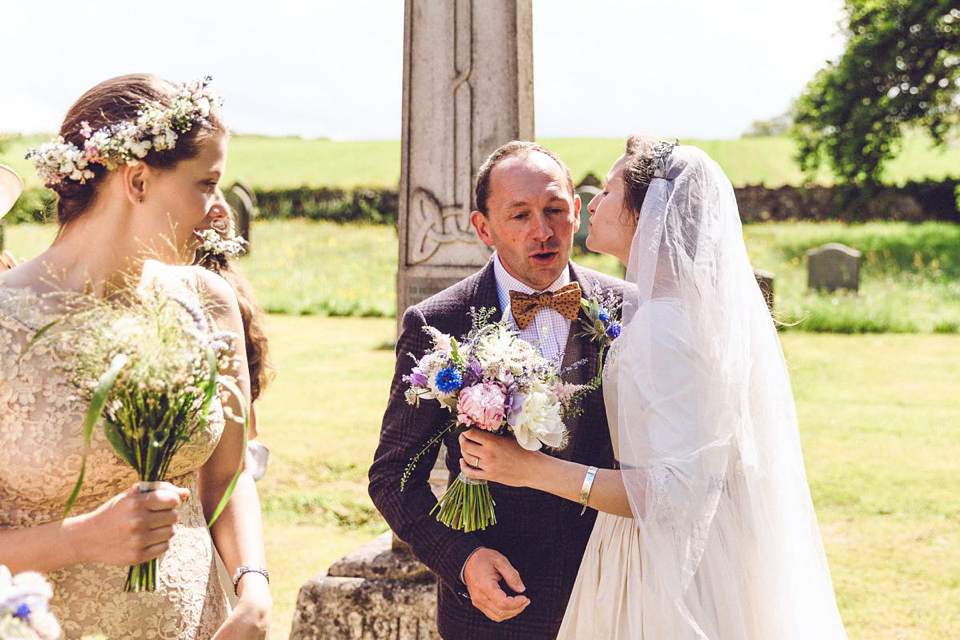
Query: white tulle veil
pixel 707 428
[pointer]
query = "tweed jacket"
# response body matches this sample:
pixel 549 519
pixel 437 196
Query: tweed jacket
pixel 542 535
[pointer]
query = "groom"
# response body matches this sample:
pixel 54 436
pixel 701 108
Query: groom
pixel 513 579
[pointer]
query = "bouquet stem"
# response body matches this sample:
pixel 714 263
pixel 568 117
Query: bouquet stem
pixel 466 505
pixel 143 576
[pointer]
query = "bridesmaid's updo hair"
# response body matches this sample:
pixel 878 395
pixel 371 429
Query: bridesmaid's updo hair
pixel 113 101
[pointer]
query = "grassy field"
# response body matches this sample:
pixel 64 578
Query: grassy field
pixel 878 417
pixel 878 412
pixel 910 281
pixel 290 162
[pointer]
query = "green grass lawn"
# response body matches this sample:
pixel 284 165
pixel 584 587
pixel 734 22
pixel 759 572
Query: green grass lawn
pixel 910 280
pixel 879 428
pixel 291 162
pixel 877 412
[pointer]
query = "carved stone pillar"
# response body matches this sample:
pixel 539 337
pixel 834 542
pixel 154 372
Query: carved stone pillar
pixel 467 89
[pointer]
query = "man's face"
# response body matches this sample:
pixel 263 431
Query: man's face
pixel 531 218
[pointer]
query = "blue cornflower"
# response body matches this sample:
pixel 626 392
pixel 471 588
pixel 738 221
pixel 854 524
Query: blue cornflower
pixel 448 380
pixel 603 315
pixel 22 612
pixel 613 330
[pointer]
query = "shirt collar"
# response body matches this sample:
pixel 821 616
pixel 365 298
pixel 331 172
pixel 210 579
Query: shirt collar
pixel 507 283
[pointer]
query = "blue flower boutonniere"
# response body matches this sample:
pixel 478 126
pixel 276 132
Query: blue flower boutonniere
pixel 602 308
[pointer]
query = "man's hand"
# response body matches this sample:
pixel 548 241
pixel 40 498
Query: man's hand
pixel 482 574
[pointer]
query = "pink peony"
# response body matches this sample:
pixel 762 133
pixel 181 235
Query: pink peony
pixel 482 405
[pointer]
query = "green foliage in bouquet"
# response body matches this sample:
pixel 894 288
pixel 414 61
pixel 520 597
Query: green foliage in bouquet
pixel 151 370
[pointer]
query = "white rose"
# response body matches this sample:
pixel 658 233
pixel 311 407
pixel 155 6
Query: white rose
pixel 539 420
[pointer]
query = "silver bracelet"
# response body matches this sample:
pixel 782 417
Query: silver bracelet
pixel 586 487
pixel 248 569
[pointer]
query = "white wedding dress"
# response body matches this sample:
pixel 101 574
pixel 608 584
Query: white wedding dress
pixel 611 571
pixel 724 542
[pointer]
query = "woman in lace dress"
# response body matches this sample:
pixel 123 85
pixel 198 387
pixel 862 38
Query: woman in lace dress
pixel 707 529
pixel 137 196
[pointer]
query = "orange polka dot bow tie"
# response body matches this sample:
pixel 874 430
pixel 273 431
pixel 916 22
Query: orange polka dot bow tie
pixel 565 301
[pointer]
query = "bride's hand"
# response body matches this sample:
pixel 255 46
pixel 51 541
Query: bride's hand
pixel 487 456
pixel 129 528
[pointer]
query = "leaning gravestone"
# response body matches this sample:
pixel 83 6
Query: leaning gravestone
pixel 10 188
pixel 765 281
pixel 586 193
pixel 833 266
pixel 243 201
pixel 467 89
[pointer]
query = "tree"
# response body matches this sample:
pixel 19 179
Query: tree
pixel 901 67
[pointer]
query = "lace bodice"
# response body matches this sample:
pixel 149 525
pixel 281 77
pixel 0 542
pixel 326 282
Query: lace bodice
pixel 40 453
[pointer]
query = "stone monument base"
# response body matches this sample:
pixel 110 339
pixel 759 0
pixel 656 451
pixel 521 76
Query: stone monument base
pixel 378 592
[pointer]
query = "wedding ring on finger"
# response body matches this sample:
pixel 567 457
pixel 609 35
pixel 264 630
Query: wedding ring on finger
pixel 476 463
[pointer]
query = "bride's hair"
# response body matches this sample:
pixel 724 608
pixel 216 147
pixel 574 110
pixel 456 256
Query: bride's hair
pixel 112 102
pixel 637 171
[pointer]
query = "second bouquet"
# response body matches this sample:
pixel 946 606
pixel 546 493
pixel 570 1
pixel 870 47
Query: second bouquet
pixel 494 380
pixel 150 370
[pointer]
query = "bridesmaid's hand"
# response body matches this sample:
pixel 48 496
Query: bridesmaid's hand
pixel 128 529
pixel 250 619
pixel 7 261
pixel 487 456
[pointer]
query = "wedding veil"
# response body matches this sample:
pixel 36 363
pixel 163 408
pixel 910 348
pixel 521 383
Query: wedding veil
pixel 707 429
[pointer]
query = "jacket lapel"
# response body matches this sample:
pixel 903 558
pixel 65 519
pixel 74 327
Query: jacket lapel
pixel 580 347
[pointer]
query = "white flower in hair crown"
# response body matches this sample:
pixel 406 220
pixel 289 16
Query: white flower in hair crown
pixel 156 128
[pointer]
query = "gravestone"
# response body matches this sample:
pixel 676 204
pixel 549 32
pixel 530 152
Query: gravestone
pixel 833 266
pixel 467 89
pixel 243 202
pixel 586 193
pixel 10 187
pixel 765 280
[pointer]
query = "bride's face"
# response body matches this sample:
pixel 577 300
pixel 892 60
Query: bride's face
pixel 611 224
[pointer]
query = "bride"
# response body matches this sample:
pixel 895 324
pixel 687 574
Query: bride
pixel 707 529
pixel 135 170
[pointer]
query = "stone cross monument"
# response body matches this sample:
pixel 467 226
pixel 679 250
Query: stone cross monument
pixel 467 89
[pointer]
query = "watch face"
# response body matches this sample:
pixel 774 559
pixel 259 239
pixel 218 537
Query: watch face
pixel 10 187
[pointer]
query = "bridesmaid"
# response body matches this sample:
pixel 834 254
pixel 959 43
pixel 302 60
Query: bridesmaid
pixel 136 169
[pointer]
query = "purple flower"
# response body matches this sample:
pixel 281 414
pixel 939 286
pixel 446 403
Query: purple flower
pixel 417 378
pixel 515 406
pixel 613 330
pixel 473 374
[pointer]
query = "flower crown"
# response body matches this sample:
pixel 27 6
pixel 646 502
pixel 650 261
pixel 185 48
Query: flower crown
pixel 156 127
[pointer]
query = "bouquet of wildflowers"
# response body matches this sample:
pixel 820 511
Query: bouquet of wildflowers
pixel 494 380
pixel 151 370
pixel 23 607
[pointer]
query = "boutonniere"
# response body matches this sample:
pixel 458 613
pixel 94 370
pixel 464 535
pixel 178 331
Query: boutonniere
pixel 602 323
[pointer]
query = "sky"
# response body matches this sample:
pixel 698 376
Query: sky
pixel 333 68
